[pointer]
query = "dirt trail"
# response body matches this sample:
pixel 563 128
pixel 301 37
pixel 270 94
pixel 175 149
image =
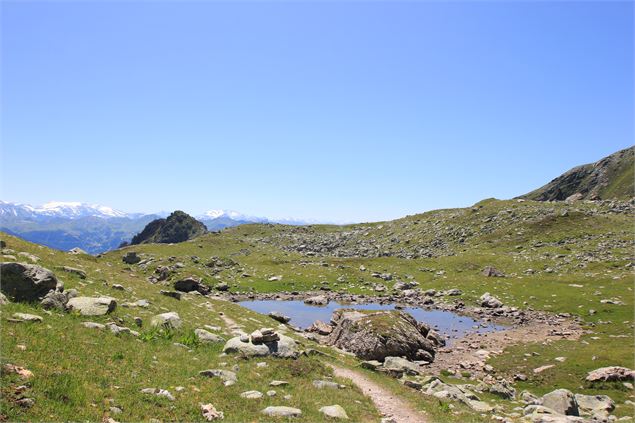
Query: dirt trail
pixel 388 404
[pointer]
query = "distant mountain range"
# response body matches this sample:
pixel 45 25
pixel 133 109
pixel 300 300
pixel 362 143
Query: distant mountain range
pixel 95 228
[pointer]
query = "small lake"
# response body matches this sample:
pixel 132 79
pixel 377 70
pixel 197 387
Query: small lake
pixel 451 325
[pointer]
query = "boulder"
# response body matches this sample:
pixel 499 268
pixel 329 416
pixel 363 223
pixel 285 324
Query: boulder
pixel 562 401
pixel 489 301
pixel 191 284
pixel 224 375
pixel 320 327
pixel 92 306
pixel 57 300
pixel 589 405
pixel 326 384
pixel 210 412
pixel 284 347
pixel 26 282
pixel 318 300
pixel 3 299
pixel 378 334
pixel 252 395
pixel 334 412
pixel 401 365
pixel 25 317
pixel 607 374
pixel 492 272
pixel 276 315
pixel 207 337
pixel 75 271
pixel 131 257
pixel 281 411
pixel 169 320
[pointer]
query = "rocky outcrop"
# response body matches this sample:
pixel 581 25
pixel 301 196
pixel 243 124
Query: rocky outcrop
pixel 380 334
pixel 177 227
pixel 608 374
pixel 611 177
pixel 26 282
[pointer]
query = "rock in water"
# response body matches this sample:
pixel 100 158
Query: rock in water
pixel 26 282
pixel 379 334
pixel 92 306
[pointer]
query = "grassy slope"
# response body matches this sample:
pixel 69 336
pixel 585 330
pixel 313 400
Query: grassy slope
pixel 66 354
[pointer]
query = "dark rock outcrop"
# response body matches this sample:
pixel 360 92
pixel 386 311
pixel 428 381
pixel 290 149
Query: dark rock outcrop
pixel 26 282
pixel 177 227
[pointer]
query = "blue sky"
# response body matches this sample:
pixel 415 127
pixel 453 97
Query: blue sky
pixel 340 111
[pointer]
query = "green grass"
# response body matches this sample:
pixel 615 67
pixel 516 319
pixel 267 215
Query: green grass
pixel 80 372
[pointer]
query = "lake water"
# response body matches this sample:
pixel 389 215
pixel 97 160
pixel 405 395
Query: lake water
pixel 451 325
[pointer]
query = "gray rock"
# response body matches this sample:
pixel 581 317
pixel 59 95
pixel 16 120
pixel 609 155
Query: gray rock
pixel 377 335
pixel 285 347
pixel 320 327
pixel 503 389
pixel 26 282
pixel 489 301
pixel 25 317
pixel 158 392
pixel 275 315
pixel 607 374
pixel 491 271
pixel 77 250
pixel 252 395
pixel 318 300
pixel 3 299
pixel 401 365
pixel 92 306
pixel 322 384
pixel 594 404
pixel 166 320
pixel 191 284
pixel 210 412
pixel 57 300
pixel 207 337
pixel 281 411
pixel 172 294
pixel 131 257
pixel 278 383
pixel 224 375
pixel 75 271
pixel 93 325
pixel 562 401
pixel 334 412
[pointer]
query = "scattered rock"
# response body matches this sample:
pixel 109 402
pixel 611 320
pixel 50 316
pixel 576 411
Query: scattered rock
pixel 320 327
pixel 562 401
pixel 57 299
pixel 489 301
pixel 26 282
pixel 284 347
pixel 92 306
pixel 172 294
pixel 131 257
pixel 401 365
pixel 207 337
pixel 75 271
pixel 318 300
pixel 27 317
pixel 281 411
pixel 210 413
pixel 606 374
pixel 252 395
pixel 191 284
pixel 224 375
pixel 594 404
pixel 334 412
pixel 275 315
pixel 166 320
pixel 158 392
pixel 20 371
pixel 321 384
pixel 93 325
pixel 491 271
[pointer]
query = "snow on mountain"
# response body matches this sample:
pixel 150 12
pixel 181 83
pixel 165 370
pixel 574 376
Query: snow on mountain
pixel 68 210
pixel 230 214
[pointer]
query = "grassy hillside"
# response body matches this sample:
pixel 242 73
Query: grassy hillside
pixel 579 254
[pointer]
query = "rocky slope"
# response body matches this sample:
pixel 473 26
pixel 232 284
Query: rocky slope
pixel 177 227
pixel 609 178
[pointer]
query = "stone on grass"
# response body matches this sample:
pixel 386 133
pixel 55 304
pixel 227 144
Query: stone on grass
pixel 25 317
pixel 207 337
pixel 489 301
pixel 224 375
pixel 321 384
pixel 57 299
pixel 282 411
pixel 401 365
pixel 594 404
pixel 169 320
pixel 75 271
pixel 210 412
pixel 131 257
pixel 562 401
pixel 284 347
pixel 252 395
pixel 25 282
pixel 334 412
pixel 158 392
pixel 93 325
pixel 92 306
pixel 612 373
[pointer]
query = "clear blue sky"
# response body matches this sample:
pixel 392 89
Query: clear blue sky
pixel 345 111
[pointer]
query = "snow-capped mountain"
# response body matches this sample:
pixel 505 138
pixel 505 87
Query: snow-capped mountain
pixel 217 219
pixel 230 214
pixel 59 209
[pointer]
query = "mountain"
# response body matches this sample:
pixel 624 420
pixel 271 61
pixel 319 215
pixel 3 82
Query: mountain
pixel 612 177
pixel 216 220
pixel 177 227
pixel 63 226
